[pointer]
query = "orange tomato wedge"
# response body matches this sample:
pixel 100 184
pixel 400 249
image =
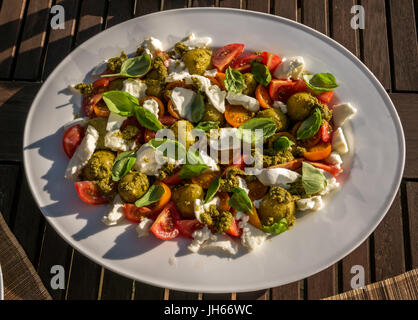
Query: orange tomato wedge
pixel 236 115
pixel 257 190
pixel 160 204
pixel 318 152
pixel 160 104
pixel 171 111
pixel 101 110
pixel 263 97
pixel 220 76
pixel 204 179
pixel 223 203
pixel 254 219
pixel 214 81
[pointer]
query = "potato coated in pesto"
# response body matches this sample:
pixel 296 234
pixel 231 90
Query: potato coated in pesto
pixel 133 186
pixel 275 205
pixel 197 60
pixel 184 198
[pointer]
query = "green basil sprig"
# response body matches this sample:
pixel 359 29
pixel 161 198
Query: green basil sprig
pixel 189 170
pixel 154 193
pixel 147 119
pixel 282 143
pixel 198 107
pixel 213 189
pixel 120 102
pixel 267 125
pixel 234 80
pixel 207 125
pixel 261 73
pixel 133 67
pixel 240 200
pixel 123 163
pixel 313 180
pixel 310 126
pixel 277 227
pixel 321 82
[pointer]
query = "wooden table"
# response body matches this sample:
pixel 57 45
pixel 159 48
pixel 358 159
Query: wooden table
pixel 30 50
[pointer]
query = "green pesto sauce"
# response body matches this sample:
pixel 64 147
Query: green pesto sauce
pixel 84 88
pixel 220 221
pixel 114 64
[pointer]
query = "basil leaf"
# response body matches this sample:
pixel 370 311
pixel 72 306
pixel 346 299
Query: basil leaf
pixel 234 81
pixel 188 171
pixel 267 125
pixel 198 107
pixel 207 125
pixel 213 189
pixel 120 102
pixel 313 180
pixel 321 82
pixel 282 143
pixel 147 119
pixel 277 227
pixel 167 145
pixel 154 193
pixel 133 67
pixel 261 73
pixel 310 126
pixel 123 163
pixel 240 201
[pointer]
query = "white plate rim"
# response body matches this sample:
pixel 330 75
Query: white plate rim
pixel 382 92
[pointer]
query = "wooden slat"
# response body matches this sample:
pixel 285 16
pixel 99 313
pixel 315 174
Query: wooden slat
pixel 116 287
pixel 84 279
pixel 174 4
pixel 144 7
pixel 412 194
pixel 388 244
pixel 55 251
pixel 28 223
pixel 404 44
pixel 146 292
pixel 203 3
pixel 119 11
pixel 216 296
pixel 315 15
pixel 60 40
pixel 359 256
pixel 322 284
pixel 11 15
pixel 375 40
pixel 230 3
pixel 259 5
pixel 286 8
pixel 341 30
pixel 33 39
pixel 254 295
pixel 91 20
pixel 406 105
pixel 9 173
pixel 181 295
pixel 289 291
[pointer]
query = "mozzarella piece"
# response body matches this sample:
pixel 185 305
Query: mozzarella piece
pixel 143 227
pixel 247 102
pixel 83 153
pixel 116 213
pixel 148 160
pixel 134 87
pixel 280 177
pixel 221 242
pixel 280 105
pixel 182 101
pixel 200 236
pixel 114 122
pixel 291 67
pixel 204 82
pixel 177 76
pixel 176 66
pixel 216 97
pixel 243 184
pixel 343 112
pixel 211 72
pixel 209 161
pixel 332 185
pixel 152 106
pixel 315 203
pixel 334 159
pixel 115 142
pixel 151 45
pixel 251 238
pixel 339 143
pixel 201 207
pixel 224 139
pixel 81 121
pixel 193 42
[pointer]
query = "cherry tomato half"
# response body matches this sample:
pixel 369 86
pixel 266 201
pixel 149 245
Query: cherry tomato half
pixel 135 214
pixel 164 227
pixel 90 193
pixel 281 89
pixel 243 64
pixel 271 60
pixel 187 227
pixel 225 55
pixel 71 139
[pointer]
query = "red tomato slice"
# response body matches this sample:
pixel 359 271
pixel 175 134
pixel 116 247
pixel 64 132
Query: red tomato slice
pixel 271 60
pixel 164 227
pixel 101 83
pixel 173 179
pixel 234 230
pixel 90 193
pixel 325 132
pixel 225 55
pixel 149 135
pixel 243 64
pixel 329 168
pixel 281 89
pixel 325 97
pixel 300 86
pixel 89 102
pixel 167 120
pixel 135 214
pixel 71 139
pixel 187 227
